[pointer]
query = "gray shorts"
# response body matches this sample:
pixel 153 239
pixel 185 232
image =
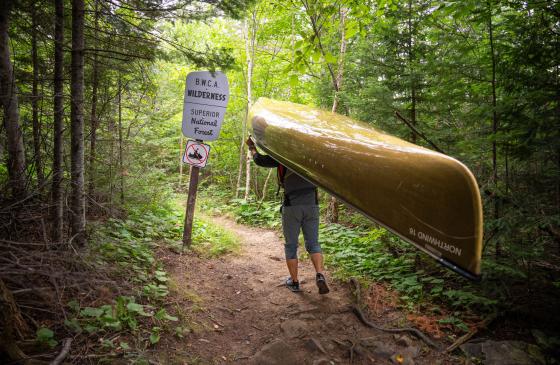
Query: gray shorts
pixel 306 219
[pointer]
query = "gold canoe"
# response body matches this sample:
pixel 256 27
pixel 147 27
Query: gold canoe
pixel 427 198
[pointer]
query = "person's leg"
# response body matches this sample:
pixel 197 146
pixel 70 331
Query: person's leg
pixel 291 223
pixel 317 260
pixel 293 269
pixel 310 229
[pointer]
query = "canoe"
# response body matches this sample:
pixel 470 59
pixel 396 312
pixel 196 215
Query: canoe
pixel 427 198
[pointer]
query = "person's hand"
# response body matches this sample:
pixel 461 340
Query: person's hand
pixel 250 143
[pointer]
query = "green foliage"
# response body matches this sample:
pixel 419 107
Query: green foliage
pixel 456 322
pixel 266 213
pixel 45 337
pixel 155 335
pixel 376 254
pixel 211 240
pixel 123 314
pixel 128 246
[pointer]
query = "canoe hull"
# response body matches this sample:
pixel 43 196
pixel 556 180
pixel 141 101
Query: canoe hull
pixel 427 198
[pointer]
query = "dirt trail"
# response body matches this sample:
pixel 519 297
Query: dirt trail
pixel 240 313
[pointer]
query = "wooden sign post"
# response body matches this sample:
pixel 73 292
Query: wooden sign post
pixel 191 200
pixel 206 98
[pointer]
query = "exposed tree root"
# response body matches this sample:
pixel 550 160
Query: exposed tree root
pixel 360 314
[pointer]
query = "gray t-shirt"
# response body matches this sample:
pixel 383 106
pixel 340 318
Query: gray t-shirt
pixel 297 190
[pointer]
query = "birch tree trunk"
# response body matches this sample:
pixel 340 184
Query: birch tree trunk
pixel 58 226
pixel 250 54
pixel 332 208
pixel 410 52
pixel 35 101
pixel 77 120
pixel 241 159
pixel 9 101
pixel 265 186
pixel 247 174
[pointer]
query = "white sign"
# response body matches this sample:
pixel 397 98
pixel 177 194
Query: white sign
pixel 196 153
pixel 206 98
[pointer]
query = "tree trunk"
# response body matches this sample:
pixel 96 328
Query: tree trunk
pixel 250 54
pixel 93 116
pixel 247 175
pixel 255 175
pixel 12 324
pixel 77 119
pixel 111 127
pixel 181 159
pixel 494 127
pixel 332 208
pixel 411 70
pixel 265 186
pixel 241 160
pixel 121 169
pixel 558 183
pixel 58 226
pixel 35 101
pixel 9 100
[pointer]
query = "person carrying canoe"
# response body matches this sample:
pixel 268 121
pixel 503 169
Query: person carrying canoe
pixel 300 211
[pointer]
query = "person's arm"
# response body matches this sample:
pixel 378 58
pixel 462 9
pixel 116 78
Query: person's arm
pixel 260 160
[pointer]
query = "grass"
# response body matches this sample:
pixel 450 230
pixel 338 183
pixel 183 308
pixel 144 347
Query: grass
pixel 211 240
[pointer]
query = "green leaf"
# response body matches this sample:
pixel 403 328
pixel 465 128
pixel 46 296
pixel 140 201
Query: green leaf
pixel 73 325
pixel 163 315
pixel 293 80
pixel 352 28
pixel 135 307
pixel 316 56
pixel 330 58
pixel 90 328
pixel 154 336
pixel 91 312
pixel 74 305
pixel 46 337
pixel 161 276
pixel 44 334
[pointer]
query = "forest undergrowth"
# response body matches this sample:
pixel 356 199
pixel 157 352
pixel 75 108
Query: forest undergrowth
pixel 103 302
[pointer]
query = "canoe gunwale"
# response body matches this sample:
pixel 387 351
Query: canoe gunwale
pixel 444 262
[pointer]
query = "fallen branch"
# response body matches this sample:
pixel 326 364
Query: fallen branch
pixel 356 309
pixel 461 340
pixel 64 352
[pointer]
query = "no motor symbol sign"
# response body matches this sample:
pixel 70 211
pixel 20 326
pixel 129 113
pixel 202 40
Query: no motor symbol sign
pixel 196 153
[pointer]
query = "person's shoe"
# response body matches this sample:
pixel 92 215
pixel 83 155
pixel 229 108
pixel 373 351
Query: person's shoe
pixel 321 283
pixel 292 285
